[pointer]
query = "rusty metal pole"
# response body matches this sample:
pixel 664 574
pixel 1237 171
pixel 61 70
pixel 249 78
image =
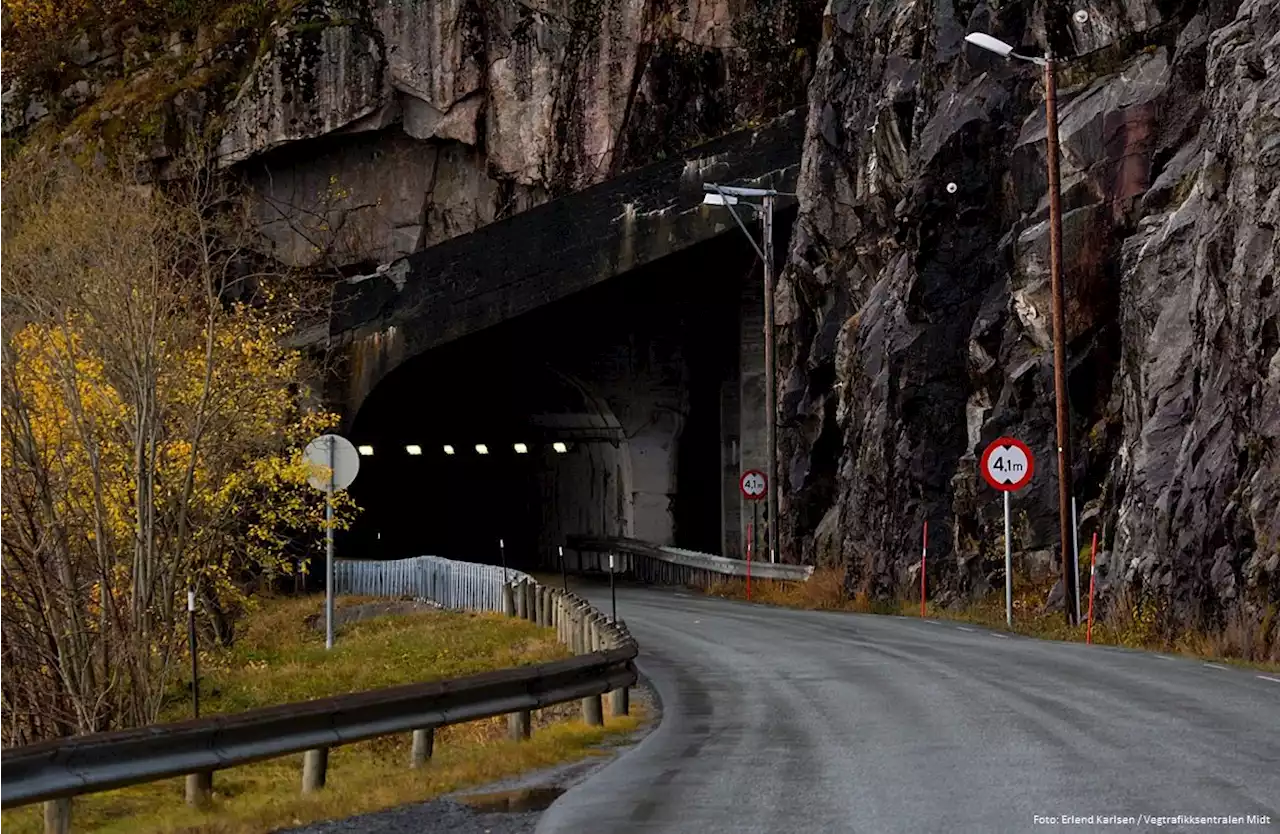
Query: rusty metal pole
pixel 1059 335
pixel 770 380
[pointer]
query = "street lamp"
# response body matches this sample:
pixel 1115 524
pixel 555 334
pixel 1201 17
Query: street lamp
pixel 1006 51
pixel 727 196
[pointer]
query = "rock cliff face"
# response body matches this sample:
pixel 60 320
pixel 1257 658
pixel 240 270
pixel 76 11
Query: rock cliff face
pixel 477 110
pixel 373 128
pixel 917 316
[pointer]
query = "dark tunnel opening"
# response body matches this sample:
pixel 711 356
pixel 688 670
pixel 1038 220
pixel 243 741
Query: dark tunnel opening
pixel 551 377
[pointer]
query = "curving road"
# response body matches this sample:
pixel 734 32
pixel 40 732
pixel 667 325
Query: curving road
pixel 779 721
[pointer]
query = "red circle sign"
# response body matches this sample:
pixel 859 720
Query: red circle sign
pixel 1007 464
pixel 754 485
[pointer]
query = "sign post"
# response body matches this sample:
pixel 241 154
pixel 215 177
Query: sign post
pixel 755 488
pixel 1007 465
pixel 334 464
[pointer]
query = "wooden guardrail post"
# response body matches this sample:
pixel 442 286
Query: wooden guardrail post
pixel 315 763
pixel 519 724
pixel 57 816
pixel 424 742
pixel 199 788
pixel 620 701
pixel 508 600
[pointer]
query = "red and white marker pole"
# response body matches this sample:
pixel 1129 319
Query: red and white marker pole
pixel 751 540
pixel 924 555
pixel 1093 555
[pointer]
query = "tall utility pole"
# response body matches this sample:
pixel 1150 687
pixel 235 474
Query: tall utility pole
pixel 770 378
pixel 1065 529
pixel 727 196
pixel 1069 578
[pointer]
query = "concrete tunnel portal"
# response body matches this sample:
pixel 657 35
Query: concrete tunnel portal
pixel 622 410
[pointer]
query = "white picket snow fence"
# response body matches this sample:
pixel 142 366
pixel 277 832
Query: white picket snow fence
pixel 452 584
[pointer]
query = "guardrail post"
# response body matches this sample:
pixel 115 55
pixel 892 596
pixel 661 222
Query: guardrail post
pixel 620 701
pixel 199 788
pixel 522 601
pixel 424 742
pixel 593 711
pixel 314 764
pixel 508 600
pixel 57 816
pixel 531 601
pixel 519 724
pixel 539 606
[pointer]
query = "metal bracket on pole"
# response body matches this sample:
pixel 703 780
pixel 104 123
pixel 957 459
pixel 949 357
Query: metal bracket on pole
pixel 741 225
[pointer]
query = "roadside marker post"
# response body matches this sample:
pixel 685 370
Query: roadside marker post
pixel 334 465
pixel 924 555
pixel 1007 465
pixel 1093 557
pixel 564 571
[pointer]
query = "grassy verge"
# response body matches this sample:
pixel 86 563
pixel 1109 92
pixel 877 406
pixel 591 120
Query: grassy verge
pixel 1128 625
pixel 279 658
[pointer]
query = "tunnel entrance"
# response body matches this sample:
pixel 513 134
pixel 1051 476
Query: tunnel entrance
pixel 601 414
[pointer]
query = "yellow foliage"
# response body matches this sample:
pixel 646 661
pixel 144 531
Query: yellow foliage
pixel 151 444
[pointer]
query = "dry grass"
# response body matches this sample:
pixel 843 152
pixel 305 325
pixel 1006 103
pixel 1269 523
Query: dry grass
pixel 278 657
pixel 1128 622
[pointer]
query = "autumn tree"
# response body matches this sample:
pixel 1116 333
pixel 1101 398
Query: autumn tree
pixel 152 420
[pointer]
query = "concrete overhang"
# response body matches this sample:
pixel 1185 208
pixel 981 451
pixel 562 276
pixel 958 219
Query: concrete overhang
pixel 511 267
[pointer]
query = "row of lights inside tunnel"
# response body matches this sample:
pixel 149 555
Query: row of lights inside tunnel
pixel 481 449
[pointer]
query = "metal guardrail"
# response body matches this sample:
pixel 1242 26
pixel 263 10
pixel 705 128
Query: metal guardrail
pixel 452 584
pixel 62 768
pixel 672 565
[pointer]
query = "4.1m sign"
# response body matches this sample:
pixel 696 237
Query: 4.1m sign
pixel 1007 465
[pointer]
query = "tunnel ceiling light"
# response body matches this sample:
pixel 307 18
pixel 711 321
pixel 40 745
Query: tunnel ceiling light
pixel 482 449
pixel 448 450
pixel 521 448
pixel 413 449
pixel 560 447
pixel 365 450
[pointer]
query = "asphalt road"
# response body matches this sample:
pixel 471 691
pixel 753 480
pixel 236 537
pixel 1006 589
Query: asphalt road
pixel 778 721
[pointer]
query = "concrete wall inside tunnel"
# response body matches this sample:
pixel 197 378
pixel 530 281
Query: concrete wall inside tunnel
pixel 641 379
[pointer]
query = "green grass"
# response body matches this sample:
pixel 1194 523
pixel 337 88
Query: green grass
pixel 279 659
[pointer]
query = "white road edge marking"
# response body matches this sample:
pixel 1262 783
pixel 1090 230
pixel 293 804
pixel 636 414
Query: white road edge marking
pixel 933 622
pixel 1165 657
pixel 1001 636
pixel 1267 678
pixel 962 628
pixel 1215 666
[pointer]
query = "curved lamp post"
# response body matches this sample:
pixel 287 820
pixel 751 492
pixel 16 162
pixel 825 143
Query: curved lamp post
pixel 1004 50
pixel 729 196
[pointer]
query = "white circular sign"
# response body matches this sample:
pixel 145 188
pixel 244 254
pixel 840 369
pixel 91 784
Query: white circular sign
pixel 331 450
pixel 951 188
pixel 1082 17
pixel 753 483
pixel 1008 465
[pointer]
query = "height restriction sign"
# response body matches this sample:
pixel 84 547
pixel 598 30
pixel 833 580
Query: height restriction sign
pixel 754 485
pixel 1007 464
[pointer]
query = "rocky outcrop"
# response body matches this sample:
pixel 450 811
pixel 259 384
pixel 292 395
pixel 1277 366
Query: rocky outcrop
pixel 371 129
pixel 916 304
pixel 484 109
